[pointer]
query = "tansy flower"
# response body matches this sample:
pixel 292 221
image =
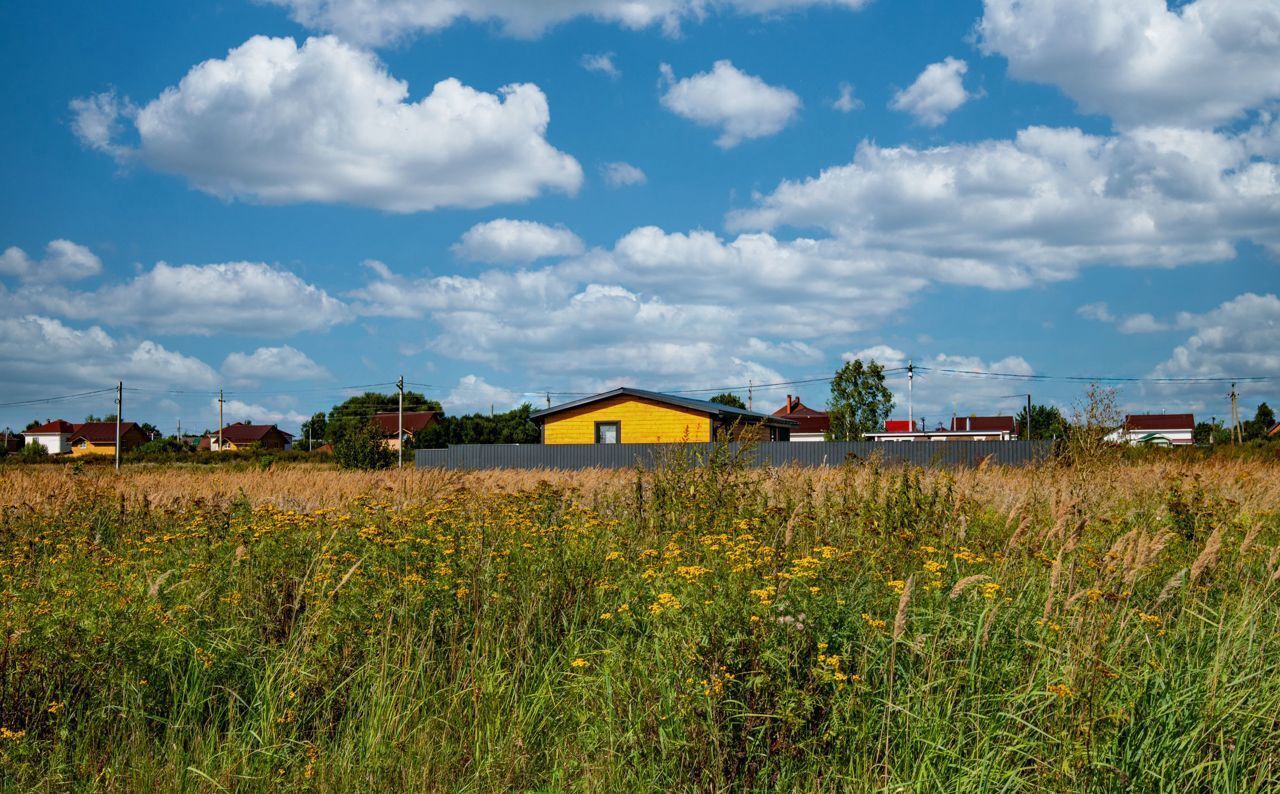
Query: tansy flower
pixel 580 663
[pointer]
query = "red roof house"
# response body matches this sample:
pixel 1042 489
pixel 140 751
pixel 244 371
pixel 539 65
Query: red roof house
pixel 812 425
pixel 1157 429
pixel 414 422
pixel 984 424
pixel 242 435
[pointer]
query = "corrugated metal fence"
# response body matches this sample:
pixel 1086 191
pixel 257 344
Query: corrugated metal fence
pixel 782 453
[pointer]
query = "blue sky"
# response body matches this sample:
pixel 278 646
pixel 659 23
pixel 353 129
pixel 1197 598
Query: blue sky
pixel 499 199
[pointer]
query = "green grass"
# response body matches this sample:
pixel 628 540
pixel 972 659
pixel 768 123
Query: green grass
pixel 709 629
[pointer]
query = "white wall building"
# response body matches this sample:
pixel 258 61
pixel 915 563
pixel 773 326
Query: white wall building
pixel 54 436
pixel 1162 430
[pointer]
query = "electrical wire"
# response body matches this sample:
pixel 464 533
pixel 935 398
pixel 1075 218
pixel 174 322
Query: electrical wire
pixel 43 400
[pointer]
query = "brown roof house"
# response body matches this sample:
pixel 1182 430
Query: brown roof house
pixel 812 425
pixel 999 428
pixel 242 435
pixel 414 422
pixel 1161 430
pixel 99 438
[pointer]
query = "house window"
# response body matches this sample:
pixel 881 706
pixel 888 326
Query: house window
pixel 608 432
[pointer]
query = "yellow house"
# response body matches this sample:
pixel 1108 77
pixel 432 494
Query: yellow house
pixel 635 416
pixel 99 438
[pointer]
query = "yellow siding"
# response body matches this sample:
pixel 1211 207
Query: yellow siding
pixel 643 422
pixel 93 449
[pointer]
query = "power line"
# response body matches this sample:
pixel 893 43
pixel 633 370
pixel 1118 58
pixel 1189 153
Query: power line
pixel 1088 378
pixel 42 400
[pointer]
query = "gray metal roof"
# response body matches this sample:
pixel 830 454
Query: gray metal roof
pixel 705 406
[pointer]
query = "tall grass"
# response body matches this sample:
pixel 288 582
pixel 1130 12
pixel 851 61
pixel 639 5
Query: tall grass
pixel 696 627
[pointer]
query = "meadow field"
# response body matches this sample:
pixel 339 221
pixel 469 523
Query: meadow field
pixel 1104 627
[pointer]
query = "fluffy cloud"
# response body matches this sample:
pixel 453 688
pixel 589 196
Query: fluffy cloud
pixel 41 356
pixel 1237 339
pixel 938 393
pixel 664 309
pixel 63 261
pixel 237 297
pixel 600 62
pixel 325 122
pixel 272 363
pixel 1142 323
pixel 935 94
pixel 253 413
pixel 741 105
pixel 846 102
pixel 1009 213
pixel 622 175
pixel 1140 61
pixel 504 241
pixel 383 21
pixel 473 394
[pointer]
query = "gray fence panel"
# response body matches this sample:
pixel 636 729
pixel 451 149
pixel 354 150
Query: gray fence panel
pixel 780 453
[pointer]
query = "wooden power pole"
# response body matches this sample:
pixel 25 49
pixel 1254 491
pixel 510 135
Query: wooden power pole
pixel 119 411
pixel 400 423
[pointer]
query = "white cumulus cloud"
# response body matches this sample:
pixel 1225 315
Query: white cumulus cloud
pixel 846 102
pixel 473 394
pixel 255 414
pixel 42 356
pixel 1236 339
pixel 619 174
pixel 937 92
pixel 742 106
pixel 385 21
pixel 1144 62
pixel 1008 213
pixel 63 261
pixel 325 122
pixel 600 62
pixel 272 363
pixel 236 297
pixel 513 241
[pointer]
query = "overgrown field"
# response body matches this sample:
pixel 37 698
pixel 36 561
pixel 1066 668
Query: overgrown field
pixel 1105 628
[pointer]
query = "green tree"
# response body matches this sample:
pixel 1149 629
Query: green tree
pixel 730 399
pixel 1046 422
pixel 1204 432
pixel 361 447
pixel 860 402
pixel 512 427
pixel 314 430
pixel 34 451
pixel 1263 420
pixel 353 415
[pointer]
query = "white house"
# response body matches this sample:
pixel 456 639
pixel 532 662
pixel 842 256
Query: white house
pixel 54 436
pixel 1162 430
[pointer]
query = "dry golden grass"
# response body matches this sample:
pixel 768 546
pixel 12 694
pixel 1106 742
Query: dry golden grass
pixel 1059 492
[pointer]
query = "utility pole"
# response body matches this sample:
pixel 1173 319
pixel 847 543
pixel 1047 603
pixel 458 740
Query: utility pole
pixel 1028 417
pixel 548 399
pixel 119 410
pixel 750 395
pixel 911 377
pixel 219 420
pixel 1235 418
pixel 400 423
pixel 179 432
